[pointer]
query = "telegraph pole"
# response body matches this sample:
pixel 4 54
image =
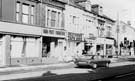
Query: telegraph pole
pixel 117 33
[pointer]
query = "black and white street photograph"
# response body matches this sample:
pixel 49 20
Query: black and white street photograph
pixel 67 40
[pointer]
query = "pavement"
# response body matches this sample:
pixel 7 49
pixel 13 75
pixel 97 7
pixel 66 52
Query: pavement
pixel 27 68
pixel 58 70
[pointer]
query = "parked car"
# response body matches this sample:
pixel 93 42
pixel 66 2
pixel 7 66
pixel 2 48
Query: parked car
pixel 92 60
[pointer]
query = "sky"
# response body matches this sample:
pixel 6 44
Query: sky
pixel 122 9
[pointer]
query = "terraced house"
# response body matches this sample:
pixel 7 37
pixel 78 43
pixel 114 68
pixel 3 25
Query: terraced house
pixel 96 28
pixel 51 31
pixel 32 31
pixel 20 37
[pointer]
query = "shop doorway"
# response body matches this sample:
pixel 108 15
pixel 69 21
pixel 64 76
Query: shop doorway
pixel 109 49
pixel 50 47
pixel 46 46
pixel 52 50
pixel 100 49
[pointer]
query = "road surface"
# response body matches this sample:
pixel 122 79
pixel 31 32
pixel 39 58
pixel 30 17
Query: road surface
pixel 76 74
pixel 124 77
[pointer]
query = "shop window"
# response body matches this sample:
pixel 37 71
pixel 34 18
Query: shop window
pixel 24 47
pixel 25 12
pixel 16 47
pixel 32 44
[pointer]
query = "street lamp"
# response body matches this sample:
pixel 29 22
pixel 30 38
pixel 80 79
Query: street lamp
pixel 117 46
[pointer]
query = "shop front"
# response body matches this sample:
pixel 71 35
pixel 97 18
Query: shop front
pixel 90 45
pixel 75 44
pixel 53 45
pixel 19 44
pixel 105 47
pixel 25 50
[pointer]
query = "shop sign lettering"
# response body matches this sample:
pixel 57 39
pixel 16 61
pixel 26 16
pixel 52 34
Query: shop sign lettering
pixel 45 31
pixel 60 33
pixel 51 31
pixel 74 36
pixel 54 32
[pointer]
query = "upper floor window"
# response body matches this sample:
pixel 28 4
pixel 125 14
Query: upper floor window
pixel 74 20
pixel 109 28
pixel 25 12
pixel 55 18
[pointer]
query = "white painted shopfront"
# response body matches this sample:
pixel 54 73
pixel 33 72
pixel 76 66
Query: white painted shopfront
pixel 105 46
pixel 19 44
pixel 25 50
pixel 75 44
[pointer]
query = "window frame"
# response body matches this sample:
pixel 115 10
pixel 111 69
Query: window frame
pixel 53 14
pixel 58 19
pixel 29 14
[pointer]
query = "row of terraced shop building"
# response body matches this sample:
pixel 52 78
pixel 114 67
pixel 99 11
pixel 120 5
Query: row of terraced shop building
pixel 51 31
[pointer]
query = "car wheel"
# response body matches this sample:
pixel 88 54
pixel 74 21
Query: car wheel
pixel 94 66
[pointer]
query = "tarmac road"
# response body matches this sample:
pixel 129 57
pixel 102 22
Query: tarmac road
pixel 77 74
pixel 74 74
pixel 124 77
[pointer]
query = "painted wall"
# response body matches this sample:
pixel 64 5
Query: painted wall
pixel 109 29
pixel 72 25
pixel 89 25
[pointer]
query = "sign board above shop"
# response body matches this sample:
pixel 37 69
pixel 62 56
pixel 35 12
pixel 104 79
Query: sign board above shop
pixel 104 41
pixel 74 36
pixel 54 33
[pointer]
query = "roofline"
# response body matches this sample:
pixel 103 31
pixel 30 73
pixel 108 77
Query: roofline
pixel 127 25
pixel 82 8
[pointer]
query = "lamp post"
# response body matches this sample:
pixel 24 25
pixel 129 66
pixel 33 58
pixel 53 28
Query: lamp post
pixel 118 30
pixel 117 52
